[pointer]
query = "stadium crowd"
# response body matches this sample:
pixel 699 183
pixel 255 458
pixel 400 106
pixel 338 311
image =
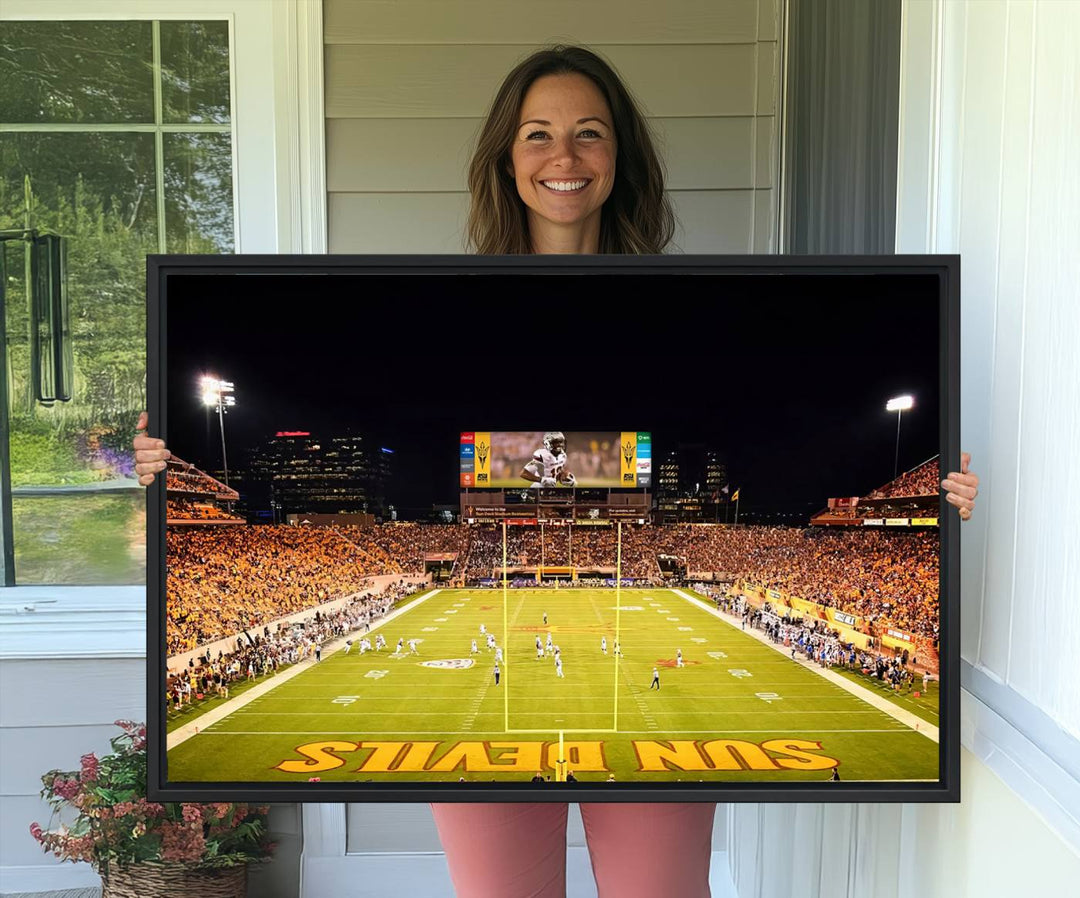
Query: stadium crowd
pixel 581 547
pixel 408 542
pixel 192 480
pixel 262 653
pixel 922 481
pixel 223 580
pixel 813 638
pixel 822 645
pixel 886 577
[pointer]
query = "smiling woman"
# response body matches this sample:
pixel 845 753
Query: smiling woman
pixel 565 164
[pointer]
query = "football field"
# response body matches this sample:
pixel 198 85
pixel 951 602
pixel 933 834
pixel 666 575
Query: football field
pixel 738 710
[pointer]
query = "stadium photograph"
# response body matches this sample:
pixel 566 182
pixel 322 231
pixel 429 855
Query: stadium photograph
pixel 409 549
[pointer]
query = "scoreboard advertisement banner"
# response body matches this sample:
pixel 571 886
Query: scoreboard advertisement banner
pixel 610 512
pixel 497 459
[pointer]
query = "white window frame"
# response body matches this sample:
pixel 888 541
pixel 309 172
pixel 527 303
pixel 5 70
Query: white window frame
pixel 279 205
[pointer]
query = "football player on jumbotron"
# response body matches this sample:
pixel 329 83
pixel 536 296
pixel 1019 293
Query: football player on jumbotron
pixel 548 465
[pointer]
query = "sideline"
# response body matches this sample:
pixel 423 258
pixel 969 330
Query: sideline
pixel 861 692
pixel 182 734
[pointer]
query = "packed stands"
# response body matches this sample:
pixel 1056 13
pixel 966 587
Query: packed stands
pixel 914 494
pixel 407 543
pixel 259 654
pixel 184 479
pixel 581 547
pixel 925 480
pixel 221 581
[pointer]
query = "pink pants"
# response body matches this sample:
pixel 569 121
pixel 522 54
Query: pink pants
pixel 519 850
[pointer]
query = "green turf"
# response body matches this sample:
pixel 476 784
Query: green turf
pixel 412 718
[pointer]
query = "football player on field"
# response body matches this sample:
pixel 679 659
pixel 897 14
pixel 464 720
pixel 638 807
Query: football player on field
pixel 548 465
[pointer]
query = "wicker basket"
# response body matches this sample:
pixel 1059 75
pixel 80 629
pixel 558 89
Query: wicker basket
pixel 149 880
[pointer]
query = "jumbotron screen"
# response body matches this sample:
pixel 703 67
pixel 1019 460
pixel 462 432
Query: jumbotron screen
pixel 355 594
pixel 525 458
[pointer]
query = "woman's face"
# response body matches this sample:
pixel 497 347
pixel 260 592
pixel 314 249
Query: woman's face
pixel 563 154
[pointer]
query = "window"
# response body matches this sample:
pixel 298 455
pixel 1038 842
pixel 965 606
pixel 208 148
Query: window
pixel 117 135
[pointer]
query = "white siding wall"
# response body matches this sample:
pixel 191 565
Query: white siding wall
pixel 989 168
pixel 408 83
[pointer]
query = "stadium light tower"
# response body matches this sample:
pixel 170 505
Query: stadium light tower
pixel 217 392
pixel 899 405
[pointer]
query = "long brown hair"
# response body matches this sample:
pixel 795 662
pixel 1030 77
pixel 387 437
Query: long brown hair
pixel 637 216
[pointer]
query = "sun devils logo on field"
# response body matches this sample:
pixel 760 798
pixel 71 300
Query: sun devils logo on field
pixel 450 664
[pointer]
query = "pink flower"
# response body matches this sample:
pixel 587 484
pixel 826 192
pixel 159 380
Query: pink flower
pixel 36 832
pixel 180 842
pixel 65 788
pixel 192 813
pixel 314 779
pixel 149 808
pixel 221 808
pixel 89 768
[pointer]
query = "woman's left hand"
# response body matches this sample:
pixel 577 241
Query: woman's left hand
pixel 962 487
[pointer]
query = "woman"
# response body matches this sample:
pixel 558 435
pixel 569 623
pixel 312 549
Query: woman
pixel 565 164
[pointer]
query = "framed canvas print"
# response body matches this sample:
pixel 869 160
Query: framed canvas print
pixel 554 528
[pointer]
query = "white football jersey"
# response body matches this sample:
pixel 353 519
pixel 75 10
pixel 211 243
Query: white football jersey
pixel 546 463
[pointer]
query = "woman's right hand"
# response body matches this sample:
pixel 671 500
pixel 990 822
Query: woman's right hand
pixel 150 452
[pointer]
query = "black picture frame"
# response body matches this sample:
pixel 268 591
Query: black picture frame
pixel 946 270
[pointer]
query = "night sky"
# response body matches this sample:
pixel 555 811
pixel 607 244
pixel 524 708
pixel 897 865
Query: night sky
pixel 786 375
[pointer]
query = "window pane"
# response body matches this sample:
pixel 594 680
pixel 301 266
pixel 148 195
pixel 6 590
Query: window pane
pixel 81 540
pixel 98 191
pixel 79 516
pixel 195 72
pixel 198 193
pixel 76 72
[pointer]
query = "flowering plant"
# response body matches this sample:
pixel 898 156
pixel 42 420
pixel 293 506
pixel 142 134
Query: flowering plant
pixel 115 824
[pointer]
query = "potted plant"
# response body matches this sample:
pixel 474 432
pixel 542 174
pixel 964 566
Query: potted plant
pixel 142 848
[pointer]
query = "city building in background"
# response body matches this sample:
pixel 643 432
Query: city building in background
pixel 692 485
pixel 309 473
